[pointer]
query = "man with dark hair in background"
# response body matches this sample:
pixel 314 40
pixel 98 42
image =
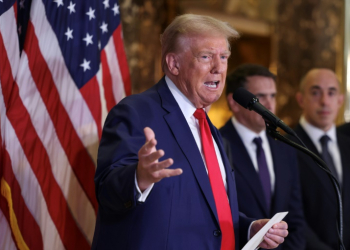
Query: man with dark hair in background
pixel 266 170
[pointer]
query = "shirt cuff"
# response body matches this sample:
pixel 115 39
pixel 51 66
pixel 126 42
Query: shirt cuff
pixel 142 196
pixel 249 230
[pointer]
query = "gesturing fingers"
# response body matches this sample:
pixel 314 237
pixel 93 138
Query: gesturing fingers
pixel 158 166
pixel 149 169
pixel 151 158
pixel 158 170
pixel 149 134
pixel 148 147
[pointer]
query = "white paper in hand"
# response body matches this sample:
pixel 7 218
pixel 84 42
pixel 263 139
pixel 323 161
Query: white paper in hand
pixel 254 242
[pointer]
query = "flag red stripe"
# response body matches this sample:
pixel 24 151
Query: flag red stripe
pixel 39 161
pixel 123 63
pixel 5 69
pixel 80 160
pixel 91 94
pixel 107 82
pixel 28 227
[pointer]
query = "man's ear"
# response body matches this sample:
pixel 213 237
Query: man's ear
pixel 340 99
pixel 172 63
pixel 232 104
pixel 299 97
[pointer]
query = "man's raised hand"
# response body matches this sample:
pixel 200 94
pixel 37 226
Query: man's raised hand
pixel 149 169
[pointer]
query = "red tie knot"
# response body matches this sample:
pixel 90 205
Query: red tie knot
pixel 199 114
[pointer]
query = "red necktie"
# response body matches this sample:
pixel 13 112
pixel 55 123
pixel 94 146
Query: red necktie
pixel 217 184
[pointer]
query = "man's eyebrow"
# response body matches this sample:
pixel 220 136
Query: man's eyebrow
pixel 333 89
pixel 205 52
pixel 265 94
pixel 315 87
pixel 212 51
pixel 227 52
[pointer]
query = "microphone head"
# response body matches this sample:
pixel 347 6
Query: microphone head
pixel 244 98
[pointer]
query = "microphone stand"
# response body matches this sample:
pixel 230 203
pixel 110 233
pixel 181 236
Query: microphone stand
pixel 271 131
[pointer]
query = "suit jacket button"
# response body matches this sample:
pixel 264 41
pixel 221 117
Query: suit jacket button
pixel 217 233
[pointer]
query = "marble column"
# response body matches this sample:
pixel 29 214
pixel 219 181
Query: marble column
pixel 143 22
pixel 309 35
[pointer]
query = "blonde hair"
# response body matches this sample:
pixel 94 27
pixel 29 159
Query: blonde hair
pixel 190 25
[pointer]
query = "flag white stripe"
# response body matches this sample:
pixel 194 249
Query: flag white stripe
pixel 8 30
pixel 104 110
pixel 30 188
pixel 78 202
pixel 113 63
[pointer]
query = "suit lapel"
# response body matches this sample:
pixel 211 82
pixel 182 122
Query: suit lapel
pixel 344 147
pixel 244 166
pixel 318 172
pixel 280 175
pixel 183 135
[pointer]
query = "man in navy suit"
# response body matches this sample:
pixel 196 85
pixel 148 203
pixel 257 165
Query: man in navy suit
pixel 152 182
pixel 320 98
pixel 244 132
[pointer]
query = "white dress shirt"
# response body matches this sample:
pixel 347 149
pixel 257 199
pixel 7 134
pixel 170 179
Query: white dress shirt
pixel 247 137
pixel 315 134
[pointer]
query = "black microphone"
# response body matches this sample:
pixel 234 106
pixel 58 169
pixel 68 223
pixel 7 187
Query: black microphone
pixel 249 101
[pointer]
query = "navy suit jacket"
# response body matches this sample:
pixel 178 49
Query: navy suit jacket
pixel 344 129
pixel 319 197
pixel 180 212
pixel 287 194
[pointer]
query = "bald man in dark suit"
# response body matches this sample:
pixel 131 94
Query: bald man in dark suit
pixel 320 98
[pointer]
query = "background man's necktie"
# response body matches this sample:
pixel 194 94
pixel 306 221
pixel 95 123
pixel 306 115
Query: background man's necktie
pixel 263 171
pixel 217 185
pixel 326 156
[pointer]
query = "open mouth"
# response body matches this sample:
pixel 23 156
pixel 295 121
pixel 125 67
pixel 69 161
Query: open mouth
pixel 212 85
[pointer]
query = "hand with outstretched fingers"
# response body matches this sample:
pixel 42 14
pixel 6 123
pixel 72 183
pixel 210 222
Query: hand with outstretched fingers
pixel 149 169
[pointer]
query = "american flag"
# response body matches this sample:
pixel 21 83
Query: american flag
pixel 62 68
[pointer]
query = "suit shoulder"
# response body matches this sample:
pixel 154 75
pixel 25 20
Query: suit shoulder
pixel 344 129
pixel 226 129
pixel 343 140
pixel 143 102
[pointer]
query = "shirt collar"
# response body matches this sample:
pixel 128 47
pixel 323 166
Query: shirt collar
pixel 316 133
pixel 246 134
pixel 185 105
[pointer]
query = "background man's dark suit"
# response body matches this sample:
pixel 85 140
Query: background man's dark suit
pixel 179 213
pixel 319 198
pixel 344 129
pixel 287 194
